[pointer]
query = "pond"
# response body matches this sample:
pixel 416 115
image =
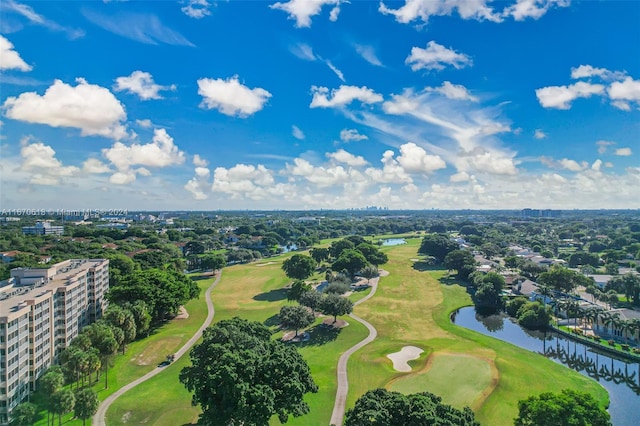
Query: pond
pixel 619 377
pixel 393 242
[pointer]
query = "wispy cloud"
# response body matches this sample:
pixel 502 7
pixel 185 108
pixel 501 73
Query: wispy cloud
pixel 141 27
pixel 368 53
pixel 37 19
pixel 305 52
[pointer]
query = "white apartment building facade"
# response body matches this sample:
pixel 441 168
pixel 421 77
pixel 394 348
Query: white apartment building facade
pixel 41 311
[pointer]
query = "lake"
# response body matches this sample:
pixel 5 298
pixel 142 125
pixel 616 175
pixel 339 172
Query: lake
pixel 393 242
pixel 621 378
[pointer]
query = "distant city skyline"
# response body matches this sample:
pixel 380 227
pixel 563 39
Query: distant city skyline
pixel 299 105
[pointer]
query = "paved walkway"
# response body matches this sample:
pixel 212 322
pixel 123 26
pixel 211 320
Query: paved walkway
pixel 99 417
pixel 343 382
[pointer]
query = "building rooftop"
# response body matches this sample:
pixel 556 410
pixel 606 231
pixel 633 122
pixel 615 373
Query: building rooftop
pixel 31 283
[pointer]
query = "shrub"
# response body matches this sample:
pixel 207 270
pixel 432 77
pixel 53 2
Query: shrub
pixel 611 343
pixel 625 347
pixel 636 350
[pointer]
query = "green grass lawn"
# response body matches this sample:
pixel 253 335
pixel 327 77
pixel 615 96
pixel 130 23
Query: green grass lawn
pixel 252 291
pixel 463 379
pixel 144 355
pixel 412 307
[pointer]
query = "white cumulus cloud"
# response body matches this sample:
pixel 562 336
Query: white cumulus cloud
pixel 342 96
pixel 454 91
pixel 9 58
pixel 141 83
pixel 160 152
pixel 414 159
pixel 424 9
pixel 342 156
pixel 623 152
pixel 92 109
pixel 539 134
pixel 560 97
pixel 348 135
pixel 230 97
pixel 624 92
pixel 44 168
pixel 199 185
pixel 436 57
pixel 302 10
pixel 95 166
pixel 197 9
pixel 534 9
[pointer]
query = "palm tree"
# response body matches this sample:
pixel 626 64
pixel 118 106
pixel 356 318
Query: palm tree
pixel 635 322
pixel 607 318
pixel 545 291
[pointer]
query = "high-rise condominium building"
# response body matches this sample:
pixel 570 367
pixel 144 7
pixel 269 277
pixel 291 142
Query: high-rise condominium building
pixel 41 311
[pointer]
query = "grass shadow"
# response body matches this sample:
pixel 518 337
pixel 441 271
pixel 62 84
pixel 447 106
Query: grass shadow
pixel 201 277
pixel 422 265
pixel 272 321
pixel 320 335
pixel 453 280
pixel 271 296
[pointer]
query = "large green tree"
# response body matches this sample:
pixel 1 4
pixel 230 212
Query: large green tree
pixel 299 266
pixel 462 261
pixel 335 305
pixel 563 279
pixel 382 407
pixel 567 408
pixel 239 375
pixel 372 254
pixel 350 260
pixel 295 317
pixel 437 245
pixel 162 290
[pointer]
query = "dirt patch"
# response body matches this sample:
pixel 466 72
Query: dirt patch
pixel 157 351
pixel 125 417
pixel 182 313
pixel 291 337
pixel 328 322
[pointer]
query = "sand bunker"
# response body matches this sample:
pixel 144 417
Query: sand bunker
pixel 400 359
pixel 265 264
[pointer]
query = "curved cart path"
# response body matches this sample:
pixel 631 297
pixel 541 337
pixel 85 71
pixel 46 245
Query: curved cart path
pixel 99 417
pixel 343 382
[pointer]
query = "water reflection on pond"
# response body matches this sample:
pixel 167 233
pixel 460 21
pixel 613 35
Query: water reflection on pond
pixel 621 378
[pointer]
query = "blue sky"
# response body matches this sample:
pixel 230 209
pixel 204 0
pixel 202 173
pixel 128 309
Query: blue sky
pixel 308 104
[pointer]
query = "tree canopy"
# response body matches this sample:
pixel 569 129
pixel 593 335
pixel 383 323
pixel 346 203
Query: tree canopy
pixel 567 408
pixel 350 260
pixel 437 245
pixel 295 317
pixel 239 375
pixel 563 279
pixel 299 266
pixel 162 290
pixel 335 305
pixel 462 261
pixel 383 407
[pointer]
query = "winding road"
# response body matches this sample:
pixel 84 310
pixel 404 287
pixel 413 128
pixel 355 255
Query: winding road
pixel 99 417
pixel 343 381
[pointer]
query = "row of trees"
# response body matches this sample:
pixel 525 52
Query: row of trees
pixel 303 315
pixel 58 400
